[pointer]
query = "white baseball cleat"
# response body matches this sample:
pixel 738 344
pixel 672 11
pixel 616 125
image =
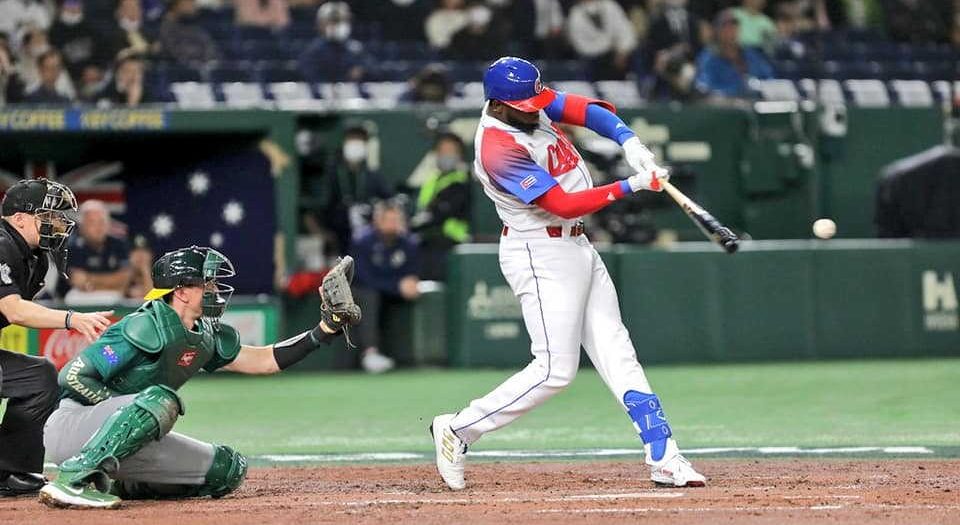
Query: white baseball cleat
pixel 676 472
pixel 374 362
pixel 673 470
pixel 451 452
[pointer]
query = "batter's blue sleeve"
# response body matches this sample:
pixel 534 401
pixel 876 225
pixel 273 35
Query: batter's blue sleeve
pixel 606 124
pixel 596 115
pixel 510 167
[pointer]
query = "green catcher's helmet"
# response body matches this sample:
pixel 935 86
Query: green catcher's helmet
pixel 194 266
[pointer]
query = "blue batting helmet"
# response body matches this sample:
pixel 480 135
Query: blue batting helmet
pixel 516 83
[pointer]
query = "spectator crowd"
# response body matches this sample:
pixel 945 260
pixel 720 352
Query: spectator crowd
pixel 122 53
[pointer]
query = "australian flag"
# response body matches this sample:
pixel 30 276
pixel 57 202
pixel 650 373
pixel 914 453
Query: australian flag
pixel 224 201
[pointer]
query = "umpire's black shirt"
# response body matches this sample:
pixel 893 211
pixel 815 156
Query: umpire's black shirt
pixel 21 269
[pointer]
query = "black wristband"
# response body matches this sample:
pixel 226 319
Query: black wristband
pixel 291 351
pixel 66 320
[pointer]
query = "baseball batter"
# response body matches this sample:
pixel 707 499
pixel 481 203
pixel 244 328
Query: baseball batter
pixel 119 396
pixel 540 186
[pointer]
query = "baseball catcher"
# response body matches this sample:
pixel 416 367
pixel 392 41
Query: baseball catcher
pixel 112 433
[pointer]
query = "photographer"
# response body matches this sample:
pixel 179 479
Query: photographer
pixel 676 36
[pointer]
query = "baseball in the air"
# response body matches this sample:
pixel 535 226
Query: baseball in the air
pixel 824 228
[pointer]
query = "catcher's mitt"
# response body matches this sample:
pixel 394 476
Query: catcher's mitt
pixel 337 308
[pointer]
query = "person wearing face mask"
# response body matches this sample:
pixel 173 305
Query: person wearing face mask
pixel 183 39
pixel 126 35
pixel 446 20
pixel 351 187
pixel 18 14
pixel 73 35
pixel 443 207
pixel 601 33
pixel 477 40
pixel 431 85
pixel 676 37
pixel 333 56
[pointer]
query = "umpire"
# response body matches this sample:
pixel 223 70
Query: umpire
pixel 38 216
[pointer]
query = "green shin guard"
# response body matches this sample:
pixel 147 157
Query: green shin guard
pixel 150 417
pixel 226 474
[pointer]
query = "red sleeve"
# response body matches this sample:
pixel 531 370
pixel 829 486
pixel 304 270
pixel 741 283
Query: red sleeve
pixel 578 204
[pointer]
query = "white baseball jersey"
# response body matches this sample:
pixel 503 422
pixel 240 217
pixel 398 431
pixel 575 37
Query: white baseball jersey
pixel 515 168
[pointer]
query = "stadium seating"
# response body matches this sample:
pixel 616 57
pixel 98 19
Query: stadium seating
pixel 912 93
pixel 868 93
pixel 466 95
pixel 194 95
pixel 860 92
pixel 778 89
pixel 579 87
pixel 385 94
pixel 620 92
pixel 260 69
pixel 243 95
pixel 291 95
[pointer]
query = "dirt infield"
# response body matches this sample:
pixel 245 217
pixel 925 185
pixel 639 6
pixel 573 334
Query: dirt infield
pixel 740 491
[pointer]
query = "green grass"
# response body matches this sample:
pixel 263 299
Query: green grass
pixel 849 403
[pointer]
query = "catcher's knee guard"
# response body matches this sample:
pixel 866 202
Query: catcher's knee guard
pixel 150 417
pixel 648 418
pixel 227 472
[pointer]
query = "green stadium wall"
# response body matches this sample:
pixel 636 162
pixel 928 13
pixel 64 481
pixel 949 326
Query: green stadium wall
pixel 774 300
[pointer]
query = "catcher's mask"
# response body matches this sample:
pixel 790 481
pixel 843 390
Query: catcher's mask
pixel 195 266
pixel 55 208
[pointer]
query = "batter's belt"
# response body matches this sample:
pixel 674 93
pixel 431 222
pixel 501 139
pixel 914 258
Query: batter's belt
pixel 571 230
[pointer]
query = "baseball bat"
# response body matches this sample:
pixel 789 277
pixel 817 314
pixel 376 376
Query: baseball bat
pixel 710 226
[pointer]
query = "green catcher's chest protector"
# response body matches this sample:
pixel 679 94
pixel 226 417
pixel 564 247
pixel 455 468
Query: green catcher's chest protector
pixel 174 353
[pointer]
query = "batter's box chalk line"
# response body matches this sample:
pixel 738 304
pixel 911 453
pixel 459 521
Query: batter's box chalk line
pixel 589 453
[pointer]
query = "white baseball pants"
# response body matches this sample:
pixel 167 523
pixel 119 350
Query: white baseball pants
pixel 568 300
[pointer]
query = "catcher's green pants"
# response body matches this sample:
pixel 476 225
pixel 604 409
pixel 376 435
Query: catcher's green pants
pixel 173 459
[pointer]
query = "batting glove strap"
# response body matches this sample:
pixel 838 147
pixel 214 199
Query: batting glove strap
pixel 648 180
